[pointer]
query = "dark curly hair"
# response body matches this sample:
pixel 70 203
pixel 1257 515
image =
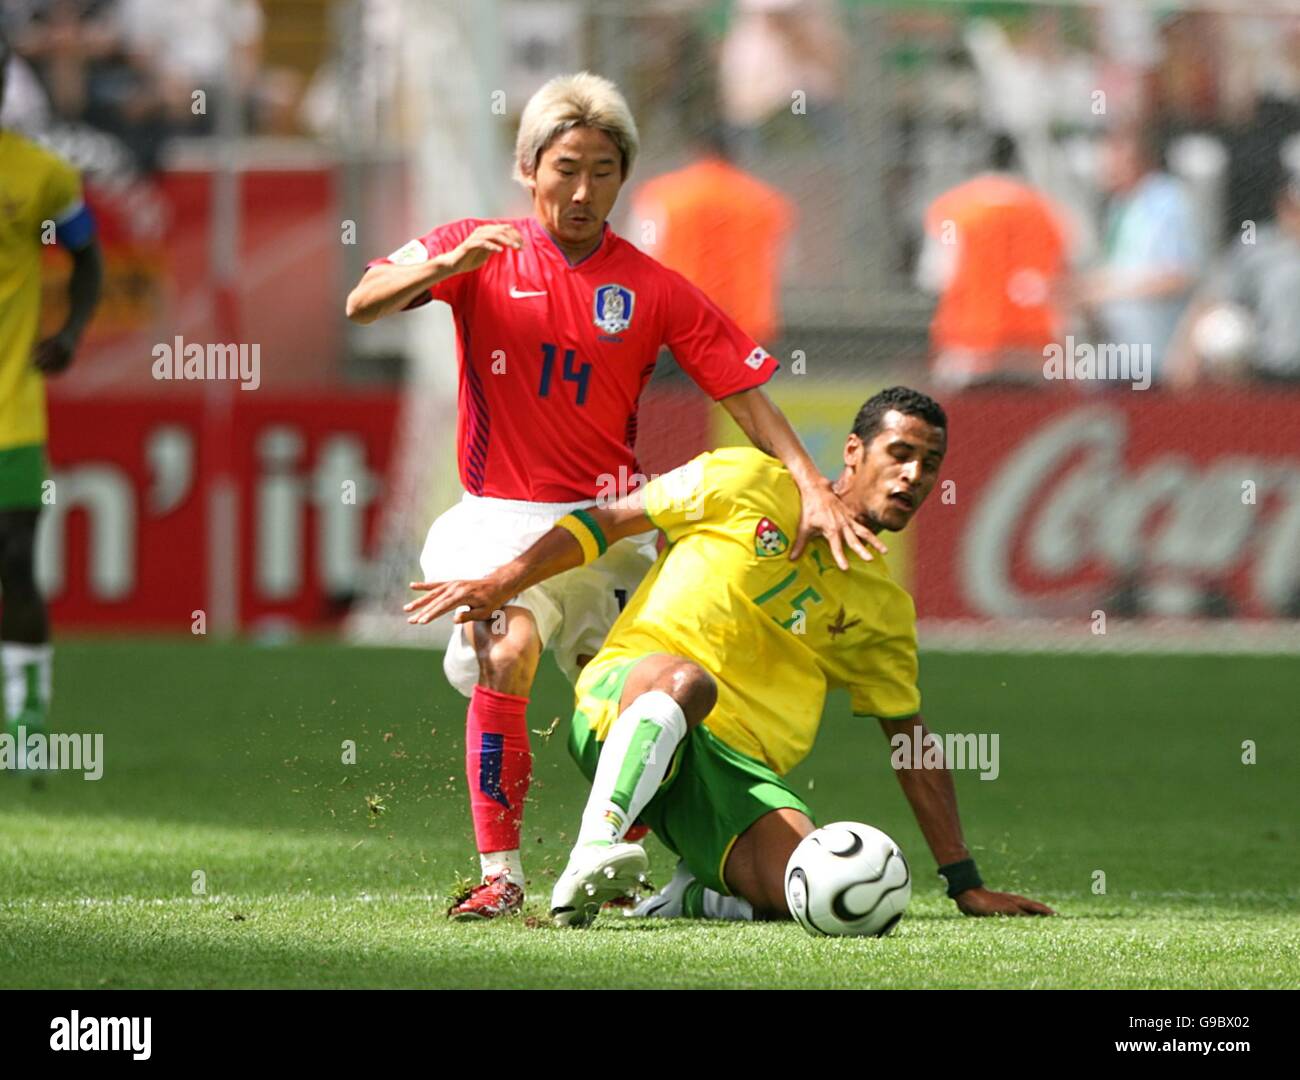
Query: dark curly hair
pixel 909 402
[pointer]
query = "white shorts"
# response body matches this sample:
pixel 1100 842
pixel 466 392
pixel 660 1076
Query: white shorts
pixel 573 610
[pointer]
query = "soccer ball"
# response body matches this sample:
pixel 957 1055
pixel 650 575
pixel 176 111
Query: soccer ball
pixel 847 879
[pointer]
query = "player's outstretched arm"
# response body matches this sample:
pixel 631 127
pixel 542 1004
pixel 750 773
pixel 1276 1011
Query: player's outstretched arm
pixel 823 513
pixel 558 550
pixel 933 798
pixel 385 289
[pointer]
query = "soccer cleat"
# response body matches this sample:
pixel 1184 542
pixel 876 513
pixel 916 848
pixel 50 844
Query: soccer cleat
pixel 596 873
pixel 667 902
pixel 495 897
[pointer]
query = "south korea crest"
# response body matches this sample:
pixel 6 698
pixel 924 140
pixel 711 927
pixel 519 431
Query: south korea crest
pixel 613 308
pixel 769 539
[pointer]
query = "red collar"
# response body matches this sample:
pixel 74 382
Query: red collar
pixel 546 242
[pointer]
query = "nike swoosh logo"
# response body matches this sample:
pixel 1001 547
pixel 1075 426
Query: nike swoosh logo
pixel 516 294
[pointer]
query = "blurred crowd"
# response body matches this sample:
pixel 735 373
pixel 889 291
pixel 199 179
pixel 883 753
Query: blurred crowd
pixel 143 71
pixel 1168 226
pixel 1121 175
pixel 1115 173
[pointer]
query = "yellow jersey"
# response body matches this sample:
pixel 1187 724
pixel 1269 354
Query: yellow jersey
pixel 774 634
pixel 39 193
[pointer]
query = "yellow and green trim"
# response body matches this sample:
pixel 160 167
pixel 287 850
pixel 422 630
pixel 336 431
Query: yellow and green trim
pixel 722 864
pixel 583 528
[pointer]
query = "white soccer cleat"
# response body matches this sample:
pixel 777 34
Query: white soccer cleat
pixel 596 874
pixel 667 902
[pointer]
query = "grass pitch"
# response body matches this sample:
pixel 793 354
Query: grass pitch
pixel 223 767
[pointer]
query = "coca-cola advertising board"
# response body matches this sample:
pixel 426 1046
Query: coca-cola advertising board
pixel 1135 503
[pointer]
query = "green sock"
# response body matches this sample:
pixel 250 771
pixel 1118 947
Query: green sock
pixel 701 902
pixel 32 713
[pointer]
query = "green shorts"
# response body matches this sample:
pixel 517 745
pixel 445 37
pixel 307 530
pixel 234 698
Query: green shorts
pixel 22 473
pixel 710 795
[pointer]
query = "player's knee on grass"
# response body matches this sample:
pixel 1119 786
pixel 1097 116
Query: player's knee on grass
pixel 755 869
pixel 508 650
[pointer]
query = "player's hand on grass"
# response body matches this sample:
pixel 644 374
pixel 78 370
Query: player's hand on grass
pixel 825 515
pixel 983 901
pixel 481 245
pixel 53 355
pixel 484 598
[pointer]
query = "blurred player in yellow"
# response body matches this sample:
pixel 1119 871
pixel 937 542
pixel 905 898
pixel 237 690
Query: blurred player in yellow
pixel 711 684
pixel 40 204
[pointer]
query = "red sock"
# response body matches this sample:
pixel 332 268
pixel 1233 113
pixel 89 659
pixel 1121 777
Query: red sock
pixel 498 765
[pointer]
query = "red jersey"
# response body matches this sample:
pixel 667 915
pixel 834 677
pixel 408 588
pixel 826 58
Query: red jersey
pixel 553 358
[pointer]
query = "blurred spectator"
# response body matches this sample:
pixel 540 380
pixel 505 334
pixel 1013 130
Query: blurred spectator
pixel 772 49
pixel 85 77
pixel 1150 250
pixel 26 107
pixel 353 97
pixel 1246 322
pixel 723 230
pixel 71 46
pixel 996 251
pixel 1184 87
pixel 1129 50
pixel 1032 80
pixel 195 45
pixel 146 70
pixel 1254 146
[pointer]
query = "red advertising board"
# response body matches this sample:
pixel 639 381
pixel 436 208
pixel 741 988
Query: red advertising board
pixel 157 238
pixel 1135 503
pixel 128 540
pixel 1049 505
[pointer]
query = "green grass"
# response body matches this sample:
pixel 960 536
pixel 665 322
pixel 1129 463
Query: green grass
pixel 225 759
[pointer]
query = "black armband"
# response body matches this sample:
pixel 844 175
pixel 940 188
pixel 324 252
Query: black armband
pixel 961 876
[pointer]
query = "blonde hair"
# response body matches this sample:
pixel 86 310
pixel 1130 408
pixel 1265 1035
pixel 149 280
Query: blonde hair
pixel 570 101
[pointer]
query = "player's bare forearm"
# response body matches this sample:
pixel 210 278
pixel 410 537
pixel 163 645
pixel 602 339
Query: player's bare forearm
pixel 553 553
pixel 387 288
pixel 556 551
pixel 54 354
pixel 383 289
pixel 932 796
pixel 823 514
pixel 767 428
pixel 84 288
